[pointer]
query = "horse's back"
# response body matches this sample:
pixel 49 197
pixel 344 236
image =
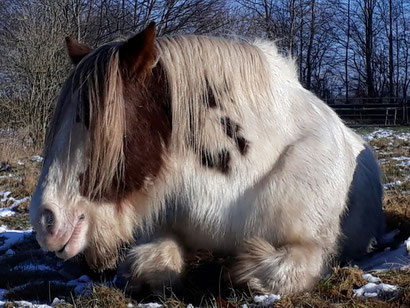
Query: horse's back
pixel 363 222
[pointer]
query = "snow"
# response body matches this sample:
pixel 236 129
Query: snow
pixel 25 304
pixel 150 305
pixel 37 158
pixel 2 291
pixel 7 176
pixel 266 300
pixel 371 278
pixel 387 134
pixel 392 184
pixel 8 211
pixel 404 163
pixel 5 195
pixel 407 243
pixel 11 237
pixel 375 288
pixel 401 158
pixel 388 259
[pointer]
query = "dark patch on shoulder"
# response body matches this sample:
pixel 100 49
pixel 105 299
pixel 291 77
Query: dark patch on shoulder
pixel 219 161
pixel 232 130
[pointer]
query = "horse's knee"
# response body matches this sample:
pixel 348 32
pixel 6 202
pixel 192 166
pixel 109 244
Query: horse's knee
pixel 289 269
pixel 156 264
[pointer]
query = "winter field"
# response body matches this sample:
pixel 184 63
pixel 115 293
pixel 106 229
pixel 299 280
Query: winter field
pixel 31 277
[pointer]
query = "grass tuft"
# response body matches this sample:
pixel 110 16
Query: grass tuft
pixel 102 296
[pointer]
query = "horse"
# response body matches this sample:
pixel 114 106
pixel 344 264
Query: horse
pixel 163 146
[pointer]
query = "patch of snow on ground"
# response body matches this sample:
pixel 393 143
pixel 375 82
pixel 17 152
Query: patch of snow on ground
pixel 266 300
pixel 407 242
pixel 386 134
pixel 2 291
pixel 5 195
pixel 37 158
pixel 7 176
pixel 371 278
pixel 25 304
pixel 10 237
pixel 8 211
pixel 392 184
pixel 375 288
pixel 404 163
pixel 388 259
pixel 150 305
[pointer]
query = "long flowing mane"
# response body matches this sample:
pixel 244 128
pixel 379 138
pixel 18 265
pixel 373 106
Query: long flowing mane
pixel 201 74
pixel 95 86
pixel 210 73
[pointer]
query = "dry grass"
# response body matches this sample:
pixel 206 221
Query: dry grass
pixel 102 296
pixel 397 209
pixel 21 179
pixel 204 286
pixel 337 291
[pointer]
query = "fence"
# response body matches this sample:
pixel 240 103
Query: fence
pixel 373 111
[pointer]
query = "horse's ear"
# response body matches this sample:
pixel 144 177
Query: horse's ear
pixel 76 50
pixel 137 54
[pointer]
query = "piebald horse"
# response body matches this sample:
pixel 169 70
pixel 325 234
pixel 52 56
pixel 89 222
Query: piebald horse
pixel 162 146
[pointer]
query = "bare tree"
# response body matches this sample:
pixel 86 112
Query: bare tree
pixel 310 45
pixel 35 63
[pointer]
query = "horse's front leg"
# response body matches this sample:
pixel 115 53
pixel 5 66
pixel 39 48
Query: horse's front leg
pixel 155 264
pixel 288 269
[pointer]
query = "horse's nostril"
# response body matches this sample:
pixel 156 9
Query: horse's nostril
pixel 47 220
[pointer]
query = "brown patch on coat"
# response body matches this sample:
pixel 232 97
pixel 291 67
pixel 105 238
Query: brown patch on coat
pixel 147 133
pixel 144 119
pixel 148 129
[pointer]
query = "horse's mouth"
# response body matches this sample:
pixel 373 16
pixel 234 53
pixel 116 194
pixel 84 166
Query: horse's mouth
pixel 75 242
pixel 62 249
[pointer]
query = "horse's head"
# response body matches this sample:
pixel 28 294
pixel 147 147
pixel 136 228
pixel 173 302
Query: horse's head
pixel 105 140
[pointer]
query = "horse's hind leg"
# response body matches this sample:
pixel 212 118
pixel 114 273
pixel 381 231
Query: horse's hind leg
pixel 155 264
pixel 288 269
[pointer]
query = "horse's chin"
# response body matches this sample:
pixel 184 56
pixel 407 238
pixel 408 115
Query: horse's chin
pixel 76 242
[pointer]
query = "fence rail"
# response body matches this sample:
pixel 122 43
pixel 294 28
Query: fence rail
pixel 373 111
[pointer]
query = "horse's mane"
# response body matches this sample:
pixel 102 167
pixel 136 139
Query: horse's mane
pixel 202 73
pixel 206 73
pixel 97 79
